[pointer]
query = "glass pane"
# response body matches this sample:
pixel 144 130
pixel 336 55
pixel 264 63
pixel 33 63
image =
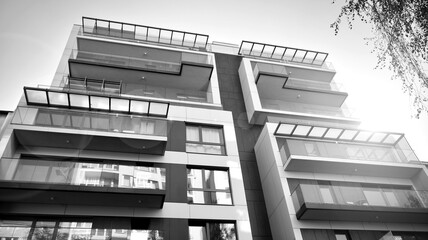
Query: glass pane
pixel 130 125
pixel 341 237
pixel 73 233
pixel 79 101
pixel 43 119
pixel 58 98
pixel 25 170
pixel 100 103
pixel 326 194
pixel 374 197
pixel 363 136
pixel 211 135
pixel 197 233
pixel 194 178
pixel 204 148
pixel 58 119
pixel 317 132
pixel 333 133
pixel 301 130
pixel 348 134
pixel 392 200
pixel 222 231
pixel 41 171
pixel 37 96
pixel 196 197
pixel 121 105
pixel 139 107
pixel 147 127
pixel 60 172
pixel 221 198
pixel 192 133
pixel 100 122
pixel 43 233
pixel 216 179
pixel 158 109
pixel 285 129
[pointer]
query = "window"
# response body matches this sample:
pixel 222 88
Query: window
pixel 212 231
pixel 203 139
pixel 342 235
pixel 208 187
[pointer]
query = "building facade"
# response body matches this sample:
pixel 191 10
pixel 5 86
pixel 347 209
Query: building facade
pixel 151 133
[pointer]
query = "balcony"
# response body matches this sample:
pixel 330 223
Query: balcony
pixel 78 182
pixel 79 228
pixel 346 151
pixel 140 33
pixel 95 86
pixel 353 202
pixel 89 130
pixel 290 55
pixel 276 91
pixel 276 82
pixel 124 62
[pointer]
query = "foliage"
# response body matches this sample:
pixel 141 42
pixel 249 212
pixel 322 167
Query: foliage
pixel 400 41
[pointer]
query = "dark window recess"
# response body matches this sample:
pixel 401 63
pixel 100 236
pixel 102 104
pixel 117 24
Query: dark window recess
pixel 205 139
pixel 208 187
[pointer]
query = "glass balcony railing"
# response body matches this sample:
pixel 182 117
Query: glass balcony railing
pixel 269 68
pixel 341 150
pixel 123 61
pixel 315 85
pixel 141 33
pixel 350 194
pixel 95 121
pixel 82 174
pixel 67 230
pixel 73 84
pixel 272 104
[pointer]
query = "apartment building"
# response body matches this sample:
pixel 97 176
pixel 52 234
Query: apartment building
pixel 152 133
pixel 130 141
pixel 324 178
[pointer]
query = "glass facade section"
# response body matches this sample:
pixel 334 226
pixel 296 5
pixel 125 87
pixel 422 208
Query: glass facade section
pixel 208 187
pixel 204 139
pixel 82 174
pixel 343 150
pixel 90 121
pixel 357 194
pixel 54 230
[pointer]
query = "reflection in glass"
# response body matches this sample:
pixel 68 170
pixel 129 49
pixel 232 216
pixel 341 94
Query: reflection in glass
pixel 57 98
pixel 197 233
pixel 77 100
pixel 158 109
pixel 86 174
pixel 37 96
pixel 222 231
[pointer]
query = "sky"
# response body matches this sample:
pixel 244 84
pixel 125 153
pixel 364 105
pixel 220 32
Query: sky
pixel 34 33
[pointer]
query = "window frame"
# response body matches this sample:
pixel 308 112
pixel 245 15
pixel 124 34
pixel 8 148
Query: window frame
pixel 210 190
pixel 200 127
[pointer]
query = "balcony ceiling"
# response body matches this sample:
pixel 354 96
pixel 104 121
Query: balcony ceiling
pixel 351 167
pixel 89 140
pixel 315 211
pixel 271 87
pixel 191 78
pixel 80 195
